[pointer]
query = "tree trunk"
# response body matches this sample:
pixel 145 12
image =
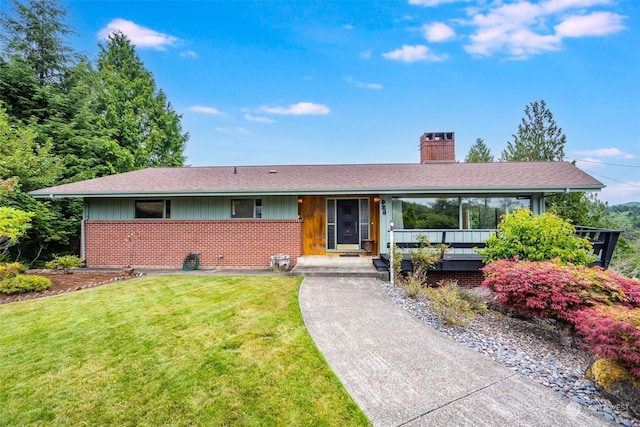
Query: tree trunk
pixel 565 333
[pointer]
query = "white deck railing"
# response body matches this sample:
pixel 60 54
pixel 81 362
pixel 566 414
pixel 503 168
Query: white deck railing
pixel 451 237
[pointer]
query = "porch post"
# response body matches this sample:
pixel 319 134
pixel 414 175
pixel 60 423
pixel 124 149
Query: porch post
pixel 391 252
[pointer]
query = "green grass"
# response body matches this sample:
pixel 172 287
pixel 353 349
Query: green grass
pixel 168 350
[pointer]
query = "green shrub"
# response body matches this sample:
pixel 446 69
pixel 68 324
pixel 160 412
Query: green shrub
pixel 24 283
pixel 65 263
pixel 11 269
pixel 527 237
pixel 397 259
pixel 453 304
pixel 426 255
pixel 413 282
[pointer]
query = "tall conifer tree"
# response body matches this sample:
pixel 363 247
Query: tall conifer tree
pixel 538 138
pixel 136 115
pixel 479 153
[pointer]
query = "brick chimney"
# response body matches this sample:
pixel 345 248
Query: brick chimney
pixel 438 147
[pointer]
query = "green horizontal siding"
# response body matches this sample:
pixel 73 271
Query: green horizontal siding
pixel 273 207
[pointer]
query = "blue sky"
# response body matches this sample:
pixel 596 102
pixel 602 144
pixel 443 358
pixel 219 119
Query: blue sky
pixel 308 82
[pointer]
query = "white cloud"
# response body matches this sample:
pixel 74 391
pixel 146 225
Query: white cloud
pixel 518 28
pixel 524 28
pixel 594 24
pixel 140 36
pixel 299 109
pixel 411 54
pixel 206 110
pixel 438 32
pixel 188 54
pixel 348 27
pixel 606 152
pixel 365 54
pixel 258 119
pixel 234 131
pixel 363 85
pixel 508 29
pixel 553 6
pixel 430 3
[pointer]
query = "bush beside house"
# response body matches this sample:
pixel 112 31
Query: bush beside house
pixel 537 269
pixel 12 281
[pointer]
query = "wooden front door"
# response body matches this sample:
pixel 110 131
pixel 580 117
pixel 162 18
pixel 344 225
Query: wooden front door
pixel 347 222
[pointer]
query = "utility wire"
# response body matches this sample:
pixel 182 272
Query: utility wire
pixel 608 164
pixel 613 179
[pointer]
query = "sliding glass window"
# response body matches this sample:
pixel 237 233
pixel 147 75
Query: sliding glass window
pixel 425 213
pixel 486 212
pixel 453 212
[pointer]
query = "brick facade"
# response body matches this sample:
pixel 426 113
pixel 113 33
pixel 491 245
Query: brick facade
pixel 245 243
pixel 466 279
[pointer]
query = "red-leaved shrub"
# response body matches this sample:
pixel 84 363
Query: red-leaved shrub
pixel 612 332
pixel 549 289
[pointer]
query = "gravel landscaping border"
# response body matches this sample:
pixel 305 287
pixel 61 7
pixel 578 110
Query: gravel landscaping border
pixel 529 347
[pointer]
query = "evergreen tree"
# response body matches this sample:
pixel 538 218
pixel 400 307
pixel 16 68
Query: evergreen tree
pixel 37 35
pixel 136 116
pixel 35 58
pixel 35 63
pixel 538 139
pixel 479 153
pixel 83 145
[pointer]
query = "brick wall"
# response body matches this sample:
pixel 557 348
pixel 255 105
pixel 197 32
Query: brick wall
pixel 164 243
pixel 466 279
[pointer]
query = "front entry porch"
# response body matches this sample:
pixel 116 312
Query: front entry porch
pixel 347 224
pixel 337 266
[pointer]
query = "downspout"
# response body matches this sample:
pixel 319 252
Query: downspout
pixel 83 249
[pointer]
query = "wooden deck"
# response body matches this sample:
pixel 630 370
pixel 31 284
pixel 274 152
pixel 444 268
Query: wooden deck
pixel 461 256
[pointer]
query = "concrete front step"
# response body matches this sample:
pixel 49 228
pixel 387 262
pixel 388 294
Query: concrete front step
pixel 336 266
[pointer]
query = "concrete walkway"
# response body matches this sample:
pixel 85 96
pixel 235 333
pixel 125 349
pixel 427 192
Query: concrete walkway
pixel 402 372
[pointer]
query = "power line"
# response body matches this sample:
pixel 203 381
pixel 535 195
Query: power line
pixel 613 179
pixel 608 164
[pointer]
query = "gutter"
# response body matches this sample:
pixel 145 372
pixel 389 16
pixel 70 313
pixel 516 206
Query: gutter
pixel 300 191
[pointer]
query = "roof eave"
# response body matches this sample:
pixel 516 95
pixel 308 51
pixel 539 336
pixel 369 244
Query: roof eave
pixel 303 191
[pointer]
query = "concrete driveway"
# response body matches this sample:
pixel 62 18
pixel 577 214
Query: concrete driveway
pixel 403 372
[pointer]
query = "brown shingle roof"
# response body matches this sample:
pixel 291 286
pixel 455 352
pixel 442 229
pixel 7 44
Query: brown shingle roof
pixel 335 179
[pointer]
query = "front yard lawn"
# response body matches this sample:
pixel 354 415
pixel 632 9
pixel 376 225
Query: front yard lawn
pixel 168 350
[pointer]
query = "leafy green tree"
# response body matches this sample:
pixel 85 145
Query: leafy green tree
pixel 30 166
pixel 137 116
pixel 479 153
pixel 409 216
pixel 14 224
pixel 22 159
pixel 71 118
pixel 538 138
pixel 579 208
